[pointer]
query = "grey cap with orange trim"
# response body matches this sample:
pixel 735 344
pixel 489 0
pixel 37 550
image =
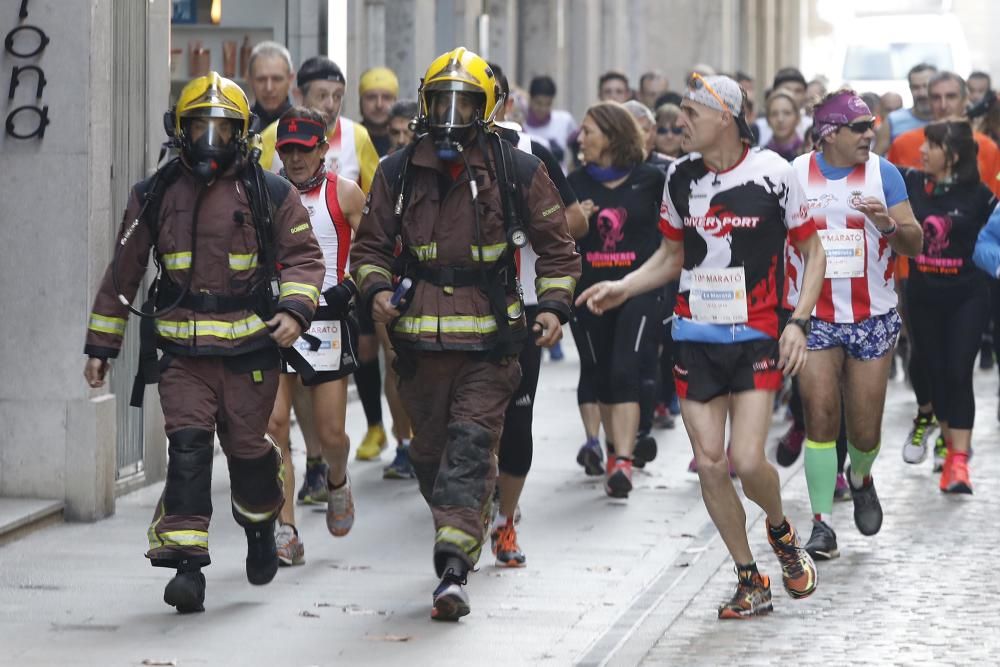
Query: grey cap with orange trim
pixel 722 94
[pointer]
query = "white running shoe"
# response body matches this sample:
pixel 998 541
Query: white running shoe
pixel 915 447
pixel 340 510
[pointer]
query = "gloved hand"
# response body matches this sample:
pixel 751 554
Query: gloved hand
pixel 339 297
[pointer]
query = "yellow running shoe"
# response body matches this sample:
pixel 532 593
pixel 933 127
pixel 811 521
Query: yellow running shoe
pixel 372 444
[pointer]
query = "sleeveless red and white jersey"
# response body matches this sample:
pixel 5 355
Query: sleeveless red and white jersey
pixel 331 228
pixel 859 272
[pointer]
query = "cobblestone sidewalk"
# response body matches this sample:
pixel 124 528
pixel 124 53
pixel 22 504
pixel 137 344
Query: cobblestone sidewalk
pixel 921 592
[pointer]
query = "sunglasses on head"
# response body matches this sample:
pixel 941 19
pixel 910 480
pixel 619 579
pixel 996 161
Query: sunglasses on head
pixel 860 126
pixel 673 129
pixel 697 82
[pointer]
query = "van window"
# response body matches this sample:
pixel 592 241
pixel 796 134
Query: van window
pixel 893 61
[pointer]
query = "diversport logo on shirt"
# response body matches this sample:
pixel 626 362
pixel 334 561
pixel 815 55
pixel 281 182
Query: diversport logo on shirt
pixel 719 221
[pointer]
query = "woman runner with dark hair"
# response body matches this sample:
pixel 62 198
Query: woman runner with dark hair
pixel 621 195
pixel 948 295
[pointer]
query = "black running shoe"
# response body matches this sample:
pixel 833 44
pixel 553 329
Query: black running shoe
pixel 645 450
pixel 822 544
pixel 867 508
pixel 790 446
pixel 262 553
pixel 314 490
pixel 591 458
pixel 186 591
pixel 451 602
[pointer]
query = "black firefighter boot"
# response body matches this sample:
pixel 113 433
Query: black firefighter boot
pixel 186 591
pixel 262 553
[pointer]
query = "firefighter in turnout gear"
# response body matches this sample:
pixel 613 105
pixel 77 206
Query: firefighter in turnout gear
pixel 462 200
pixel 240 274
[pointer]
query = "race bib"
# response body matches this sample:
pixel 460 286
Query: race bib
pixel 845 252
pixel 719 296
pixel 327 357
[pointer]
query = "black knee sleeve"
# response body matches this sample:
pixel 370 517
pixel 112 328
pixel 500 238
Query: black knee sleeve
pixel 255 485
pixel 516 444
pixel 189 473
pixel 647 404
pixel 468 450
pixel 368 378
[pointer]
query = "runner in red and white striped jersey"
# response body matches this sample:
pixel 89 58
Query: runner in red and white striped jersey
pixel 860 207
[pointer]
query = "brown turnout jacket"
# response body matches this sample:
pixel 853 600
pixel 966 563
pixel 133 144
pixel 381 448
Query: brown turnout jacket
pixel 225 263
pixel 438 228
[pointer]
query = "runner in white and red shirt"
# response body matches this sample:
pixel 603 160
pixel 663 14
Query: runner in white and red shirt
pixel 727 212
pixel 859 203
pixel 334 206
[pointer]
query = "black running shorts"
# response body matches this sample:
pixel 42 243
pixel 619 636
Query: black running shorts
pixel 703 371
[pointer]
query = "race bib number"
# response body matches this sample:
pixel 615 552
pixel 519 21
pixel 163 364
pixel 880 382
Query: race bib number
pixel 327 357
pixel 845 252
pixel 719 296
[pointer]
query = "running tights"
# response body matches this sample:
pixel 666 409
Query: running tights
pixel 368 378
pixel 947 327
pixel 516 443
pixel 614 347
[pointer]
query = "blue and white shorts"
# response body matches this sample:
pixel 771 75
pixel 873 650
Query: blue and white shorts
pixel 866 340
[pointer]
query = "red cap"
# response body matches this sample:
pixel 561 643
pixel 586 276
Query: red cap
pixel 301 131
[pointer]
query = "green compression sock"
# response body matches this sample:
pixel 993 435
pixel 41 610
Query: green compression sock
pixel 861 463
pixel 821 475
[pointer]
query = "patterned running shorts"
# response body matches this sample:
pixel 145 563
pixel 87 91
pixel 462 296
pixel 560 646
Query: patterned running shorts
pixel 866 340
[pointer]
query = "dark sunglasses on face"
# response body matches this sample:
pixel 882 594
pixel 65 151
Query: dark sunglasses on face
pixel 673 129
pixel 288 149
pixel 860 127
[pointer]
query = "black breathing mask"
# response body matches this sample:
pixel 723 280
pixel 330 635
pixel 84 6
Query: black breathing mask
pixel 452 121
pixel 215 149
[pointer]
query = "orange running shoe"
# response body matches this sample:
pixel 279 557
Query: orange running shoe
pixel 752 598
pixel 505 545
pixel 958 473
pixel 798 572
pixel 945 480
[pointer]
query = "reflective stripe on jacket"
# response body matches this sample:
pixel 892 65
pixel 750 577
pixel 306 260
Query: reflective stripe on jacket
pixel 225 263
pixel 439 229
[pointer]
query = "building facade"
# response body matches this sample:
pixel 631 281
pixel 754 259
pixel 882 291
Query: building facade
pixel 93 80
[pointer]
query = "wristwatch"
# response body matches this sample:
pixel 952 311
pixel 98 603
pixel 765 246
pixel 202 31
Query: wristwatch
pixel 802 323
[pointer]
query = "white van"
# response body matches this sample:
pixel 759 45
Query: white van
pixel 876 52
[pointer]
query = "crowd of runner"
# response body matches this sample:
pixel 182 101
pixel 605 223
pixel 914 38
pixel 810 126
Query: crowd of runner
pixel 742 250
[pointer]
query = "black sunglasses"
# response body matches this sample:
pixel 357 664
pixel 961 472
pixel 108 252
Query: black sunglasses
pixel 860 127
pixel 288 149
pixel 673 129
